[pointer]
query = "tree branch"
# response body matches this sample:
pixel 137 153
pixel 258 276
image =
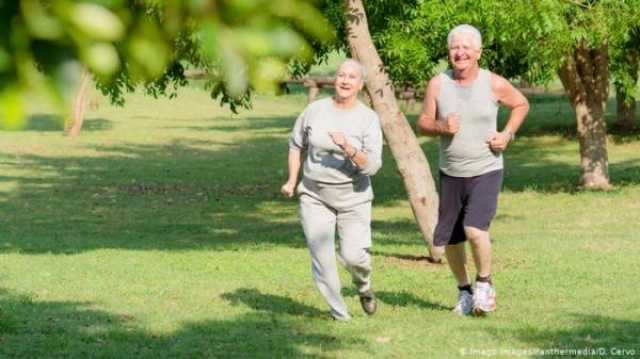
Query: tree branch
pixel 571 81
pixel 601 72
pixel 585 68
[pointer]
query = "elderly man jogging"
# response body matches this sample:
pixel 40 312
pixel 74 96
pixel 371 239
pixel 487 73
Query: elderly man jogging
pixel 461 107
pixel 341 141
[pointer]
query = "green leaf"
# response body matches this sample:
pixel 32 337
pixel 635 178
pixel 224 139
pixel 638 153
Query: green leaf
pixel 96 21
pixel 5 60
pixel 268 75
pixel 101 58
pixel 12 112
pixel 148 51
pixel 40 23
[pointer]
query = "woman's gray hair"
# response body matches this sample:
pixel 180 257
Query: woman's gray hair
pixel 358 64
pixel 465 29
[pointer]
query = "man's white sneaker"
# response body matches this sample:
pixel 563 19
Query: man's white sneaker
pixel 465 303
pixel 484 298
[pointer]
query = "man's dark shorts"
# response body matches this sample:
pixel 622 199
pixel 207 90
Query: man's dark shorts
pixel 466 201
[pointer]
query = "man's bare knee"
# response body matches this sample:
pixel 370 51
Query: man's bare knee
pixel 475 235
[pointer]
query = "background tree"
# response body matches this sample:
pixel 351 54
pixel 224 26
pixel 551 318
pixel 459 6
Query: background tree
pixel 625 67
pixel 625 80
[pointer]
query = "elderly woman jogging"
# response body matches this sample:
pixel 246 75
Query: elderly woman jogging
pixel 338 142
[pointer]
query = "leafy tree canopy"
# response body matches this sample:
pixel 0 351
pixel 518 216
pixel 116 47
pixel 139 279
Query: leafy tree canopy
pixel 522 38
pixel 242 44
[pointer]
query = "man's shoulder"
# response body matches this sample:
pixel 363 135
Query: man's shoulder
pixel 497 82
pixel 446 75
pixel 434 84
pixel 492 75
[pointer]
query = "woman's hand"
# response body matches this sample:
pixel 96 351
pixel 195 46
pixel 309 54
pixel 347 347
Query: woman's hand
pixel 338 138
pixel 340 141
pixel 288 189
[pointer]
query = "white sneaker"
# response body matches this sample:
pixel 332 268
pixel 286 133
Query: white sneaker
pixel 484 298
pixel 465 303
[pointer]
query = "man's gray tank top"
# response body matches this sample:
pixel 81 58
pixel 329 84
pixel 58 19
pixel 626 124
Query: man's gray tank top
pixel 467 153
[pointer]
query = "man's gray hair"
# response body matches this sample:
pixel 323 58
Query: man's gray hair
pixel 465 29
pixel 358 64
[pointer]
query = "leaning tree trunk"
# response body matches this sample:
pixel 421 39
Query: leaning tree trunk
pixel 585 77
pixel 79 106
pixel 406 150
pixel 626 101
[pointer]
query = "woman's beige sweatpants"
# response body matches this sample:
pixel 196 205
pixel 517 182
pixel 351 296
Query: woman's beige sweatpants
pixel 353 223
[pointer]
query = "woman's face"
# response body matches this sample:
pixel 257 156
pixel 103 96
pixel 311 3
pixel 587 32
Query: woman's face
pixel 463 52
pixel 348 81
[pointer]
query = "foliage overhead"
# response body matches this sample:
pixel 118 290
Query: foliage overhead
pixel 522 39
pixel 242 44
pixel 253 44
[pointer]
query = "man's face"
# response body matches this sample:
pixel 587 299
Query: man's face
pixel 348 81
pixel 463 52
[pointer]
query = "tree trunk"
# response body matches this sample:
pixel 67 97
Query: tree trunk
pixel 585 77
pixel 79 106
pixel 410 159
pixel 626 101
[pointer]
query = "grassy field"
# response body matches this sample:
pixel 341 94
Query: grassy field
pixel 160 233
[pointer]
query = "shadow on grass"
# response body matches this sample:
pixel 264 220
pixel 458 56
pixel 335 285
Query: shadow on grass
pixel 426 260
pixel 96 124
pixel 276 304
pixel 200 194
pixel 171 197
pixel 406 299
pixel 590 331
pixel 44 122
pixel 398 299
pixel 54 123
pixel 45 329
pixel 280 125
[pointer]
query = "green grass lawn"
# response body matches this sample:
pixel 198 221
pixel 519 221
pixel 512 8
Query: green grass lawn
pixel 160 232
